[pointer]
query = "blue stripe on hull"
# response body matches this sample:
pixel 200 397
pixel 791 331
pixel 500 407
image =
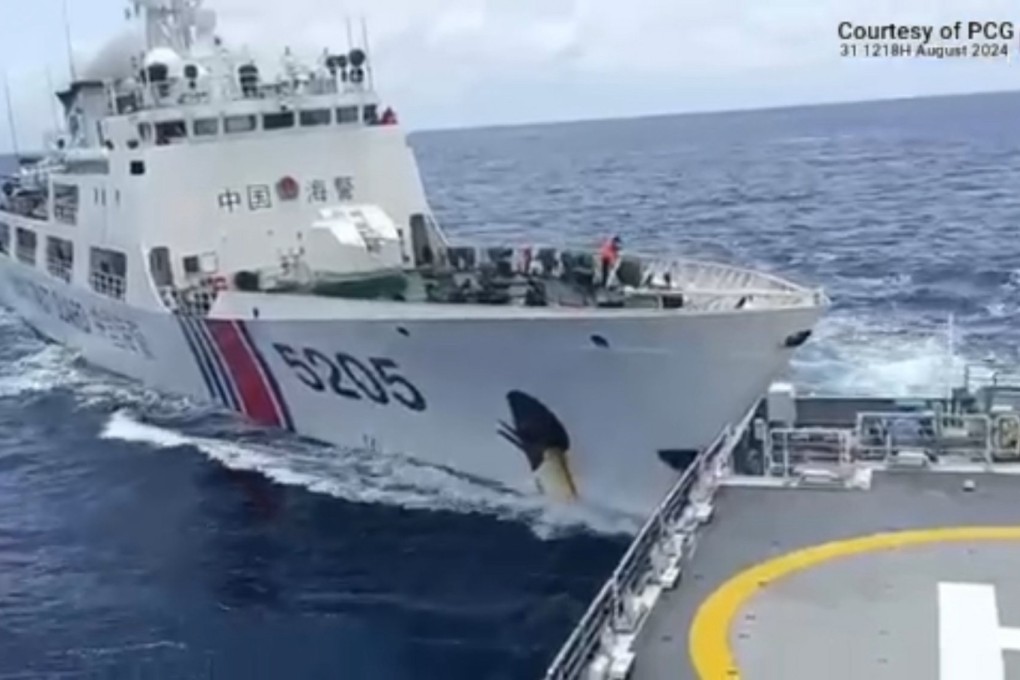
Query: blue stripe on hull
pixel 203 369
pixel 222 372
pixel 274 386
pixel 205 364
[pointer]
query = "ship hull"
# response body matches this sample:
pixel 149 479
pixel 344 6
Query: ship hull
pixel 597 409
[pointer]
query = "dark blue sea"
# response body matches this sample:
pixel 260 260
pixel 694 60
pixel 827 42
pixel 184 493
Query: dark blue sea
pixel 142 536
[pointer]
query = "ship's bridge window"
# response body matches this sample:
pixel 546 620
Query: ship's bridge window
pixel 5 238
pixel 65 203
pixel 206 127
pixel 170 132
pixel 371 114
pixel 108 272
pixel 159 267
pixel 25 245
pixel 60 258
pixel 316 117
pixel 347 114
pixel 145 132
pixel 127 103
pixel 278 121
pixel 235 124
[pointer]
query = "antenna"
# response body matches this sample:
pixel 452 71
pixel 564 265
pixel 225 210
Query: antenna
pixel 950 354
pixel 368 53
pixel 67 39
pixel 10 116
pixel 53 100
pixel 350 35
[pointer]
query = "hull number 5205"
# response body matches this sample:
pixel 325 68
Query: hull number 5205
pixel 349 377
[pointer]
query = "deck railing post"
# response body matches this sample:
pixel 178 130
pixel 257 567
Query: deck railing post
pixel 660 539
pixel 614 599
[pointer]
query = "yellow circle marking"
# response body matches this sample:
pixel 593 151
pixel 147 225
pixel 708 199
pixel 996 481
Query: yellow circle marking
pixel 709 643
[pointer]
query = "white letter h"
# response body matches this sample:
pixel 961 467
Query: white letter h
pixel 971 641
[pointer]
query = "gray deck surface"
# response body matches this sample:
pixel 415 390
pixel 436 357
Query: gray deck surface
pixel 886 626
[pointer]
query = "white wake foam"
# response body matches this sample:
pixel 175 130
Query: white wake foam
pixel 854 357
pixel 366 477
pixel 52 367
pixel 45 369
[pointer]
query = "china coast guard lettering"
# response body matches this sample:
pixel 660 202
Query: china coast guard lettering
pixel 87 319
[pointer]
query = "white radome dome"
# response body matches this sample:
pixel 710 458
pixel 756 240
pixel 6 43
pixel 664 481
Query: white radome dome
pixel 167 57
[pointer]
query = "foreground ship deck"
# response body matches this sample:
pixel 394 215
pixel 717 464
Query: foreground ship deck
pixel 896 562
pixel 870 553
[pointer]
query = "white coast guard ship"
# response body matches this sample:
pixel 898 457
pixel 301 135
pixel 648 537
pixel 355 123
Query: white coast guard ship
pixel 262 239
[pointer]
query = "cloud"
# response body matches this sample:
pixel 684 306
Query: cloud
pixel 462 62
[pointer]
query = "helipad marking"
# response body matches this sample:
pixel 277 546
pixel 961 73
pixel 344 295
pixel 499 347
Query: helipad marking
pixel 708 642
pixel 971 641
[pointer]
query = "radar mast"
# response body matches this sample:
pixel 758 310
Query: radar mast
pixel 176 24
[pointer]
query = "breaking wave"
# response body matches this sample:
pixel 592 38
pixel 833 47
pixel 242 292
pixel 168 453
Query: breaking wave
pixel 361 476
pixel 851 358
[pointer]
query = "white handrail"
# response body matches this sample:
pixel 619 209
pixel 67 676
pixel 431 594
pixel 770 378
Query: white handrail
pixel 635 567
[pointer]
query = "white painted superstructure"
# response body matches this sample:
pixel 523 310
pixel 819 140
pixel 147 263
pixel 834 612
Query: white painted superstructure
pixel 260 237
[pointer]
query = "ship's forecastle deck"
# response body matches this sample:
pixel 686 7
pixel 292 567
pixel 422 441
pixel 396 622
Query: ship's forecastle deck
pixel 500 282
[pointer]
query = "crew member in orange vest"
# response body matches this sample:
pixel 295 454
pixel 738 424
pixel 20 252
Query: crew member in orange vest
pixel 609 255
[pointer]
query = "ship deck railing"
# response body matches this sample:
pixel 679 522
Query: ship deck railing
pixel 714 285
pixel 60 267
pixel 126 98
pixel 704 274
pixel 31 207
pixel 989 375
pixel 708 299
pixel 194 300
pixel 649 564
pixel 37 212
pixel 108 284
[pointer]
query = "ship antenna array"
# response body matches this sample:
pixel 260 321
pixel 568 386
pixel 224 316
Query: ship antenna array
pixel 351 44
pixel 53 101
pixel 10 117
pixel 368 51
pixel 950 354
pixel 67 40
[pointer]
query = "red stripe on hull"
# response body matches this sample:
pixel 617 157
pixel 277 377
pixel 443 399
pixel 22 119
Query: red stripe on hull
pixel 256 397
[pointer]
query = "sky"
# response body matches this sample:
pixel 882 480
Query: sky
pixel 458 63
